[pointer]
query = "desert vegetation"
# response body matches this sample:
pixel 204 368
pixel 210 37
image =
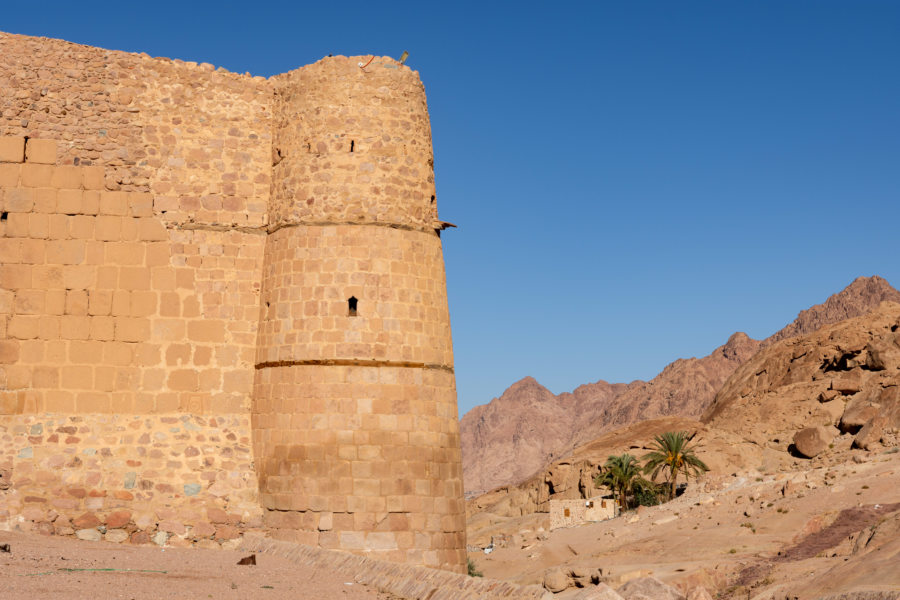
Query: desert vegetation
pixel 670 457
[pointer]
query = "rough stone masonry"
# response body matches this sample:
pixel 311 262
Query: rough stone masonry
pixel 223 305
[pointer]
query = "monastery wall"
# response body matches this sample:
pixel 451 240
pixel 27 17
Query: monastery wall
pixel 130 257
pixel 177 359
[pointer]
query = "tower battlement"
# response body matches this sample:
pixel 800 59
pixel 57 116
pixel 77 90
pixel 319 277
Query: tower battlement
pixel 223 305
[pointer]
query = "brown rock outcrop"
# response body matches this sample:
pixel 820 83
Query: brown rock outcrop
pixel 597 592
pixel 776 393
pixel 649 588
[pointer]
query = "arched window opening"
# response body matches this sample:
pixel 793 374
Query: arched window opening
pixel 351 306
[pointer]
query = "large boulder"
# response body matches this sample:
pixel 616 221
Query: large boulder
pixel 556 580
pixel 870 434
pixel 848 384
pixel 813 440
pixel 649 588
pixel 857 413
pixel 884 354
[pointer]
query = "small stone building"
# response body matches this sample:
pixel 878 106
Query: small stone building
pixel 570 513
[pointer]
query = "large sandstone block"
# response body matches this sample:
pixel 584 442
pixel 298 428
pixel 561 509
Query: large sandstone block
pixel 813 440
pixel 12 149
pixel 846 385
pixel 40 151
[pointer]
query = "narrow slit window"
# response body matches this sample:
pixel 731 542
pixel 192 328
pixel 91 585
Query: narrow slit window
pixel 351 306
pixel 352 144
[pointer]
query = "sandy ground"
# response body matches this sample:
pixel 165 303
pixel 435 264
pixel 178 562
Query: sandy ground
pixel 746 539
pixel 44 568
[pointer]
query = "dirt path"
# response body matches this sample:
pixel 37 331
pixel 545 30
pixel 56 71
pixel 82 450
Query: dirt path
pixel 44 568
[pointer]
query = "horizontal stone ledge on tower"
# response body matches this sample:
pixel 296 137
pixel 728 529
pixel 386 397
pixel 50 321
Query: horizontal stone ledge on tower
pixel 410 582
pixel 266 229
pixel 353 362
pixel 388 224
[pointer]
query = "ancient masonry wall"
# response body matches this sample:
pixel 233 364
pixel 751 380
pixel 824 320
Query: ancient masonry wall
pixel 178 359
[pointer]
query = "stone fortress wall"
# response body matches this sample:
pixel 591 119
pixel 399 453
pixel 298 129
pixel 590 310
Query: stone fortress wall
pixel 179 361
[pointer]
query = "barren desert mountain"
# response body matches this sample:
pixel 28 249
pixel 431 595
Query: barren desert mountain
pixel 516 435
pixel 524 429
pixel 858 298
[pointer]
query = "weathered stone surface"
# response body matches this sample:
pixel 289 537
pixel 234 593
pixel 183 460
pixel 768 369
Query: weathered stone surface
pixel 90 535
pixel 846 385
pixel 828 395
pixel 579 571
pixel 140 537
pixel 699 593
pixel 216 515
pixel 556 580
pixel 812 441
pixel 118 518
pixel 228 532
pixel 117 536
pixel 857 413
pixel 597 592
pixel 203 530
pixel 86 521
pixel 884 354
pixel 647 588
pixel 870 433
pixel 175 527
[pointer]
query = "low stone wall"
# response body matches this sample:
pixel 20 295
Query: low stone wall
pixel 405 581
pixel 171 479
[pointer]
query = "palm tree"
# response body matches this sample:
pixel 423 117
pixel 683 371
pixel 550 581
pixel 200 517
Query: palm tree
pixel 673 457
pixel 620 473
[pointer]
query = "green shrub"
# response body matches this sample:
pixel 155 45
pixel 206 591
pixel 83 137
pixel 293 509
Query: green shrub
pixel 647 493
pixel 473 569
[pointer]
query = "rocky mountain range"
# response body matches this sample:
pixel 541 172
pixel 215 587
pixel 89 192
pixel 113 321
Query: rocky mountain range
pixel 509 439
pixel 806 402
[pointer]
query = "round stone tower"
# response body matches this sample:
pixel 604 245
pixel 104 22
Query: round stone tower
pixel 356 435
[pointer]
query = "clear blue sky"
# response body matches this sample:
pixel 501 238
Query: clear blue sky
pixel 633 181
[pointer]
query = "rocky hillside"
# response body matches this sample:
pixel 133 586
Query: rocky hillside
pixel 842 380
pixel 514 436
pixel 822 396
